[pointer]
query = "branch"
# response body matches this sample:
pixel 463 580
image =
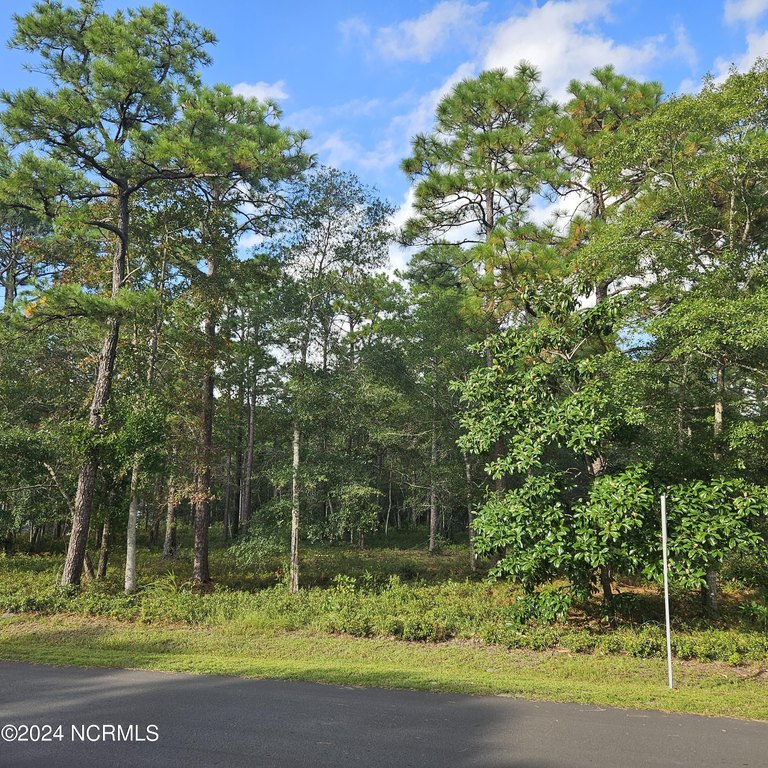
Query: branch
pixel 59 487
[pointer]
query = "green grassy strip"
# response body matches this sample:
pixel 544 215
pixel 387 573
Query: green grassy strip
pixel 237 649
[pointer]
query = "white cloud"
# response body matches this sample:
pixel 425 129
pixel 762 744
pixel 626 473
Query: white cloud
pixel 421 118
pixel 746 11
pixel 248 241
pixel 757 47
pixel 561 40
pixel 399 256
pixel 314 118
pixel 420 39
pixel 354 30
pixel 261 90
pixel 684 48
pixel 688 85
pixel 560 37
pixel 338 150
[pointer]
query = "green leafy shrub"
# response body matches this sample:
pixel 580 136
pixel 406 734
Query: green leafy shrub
pixel 579 641
pixel 644 643
pixel 756 614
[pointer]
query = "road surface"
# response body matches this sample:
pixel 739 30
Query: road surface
pixel 119 718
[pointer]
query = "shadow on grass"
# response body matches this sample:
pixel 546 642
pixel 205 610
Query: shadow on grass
pixel 233 722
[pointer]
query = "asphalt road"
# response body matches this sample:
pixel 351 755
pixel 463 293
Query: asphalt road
pixel 186 721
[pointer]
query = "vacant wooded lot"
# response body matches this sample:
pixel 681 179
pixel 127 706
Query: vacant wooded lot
pixel 224 417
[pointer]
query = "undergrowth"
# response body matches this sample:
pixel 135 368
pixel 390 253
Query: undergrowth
pixel 372 605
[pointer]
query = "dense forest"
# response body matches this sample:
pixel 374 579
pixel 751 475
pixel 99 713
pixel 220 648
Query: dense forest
pixel 582 326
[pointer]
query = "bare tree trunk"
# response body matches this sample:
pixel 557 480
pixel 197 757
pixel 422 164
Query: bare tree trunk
pixel 718 415
pixel 200 569
pixel 135 495
pixel 154 528
pixel 470 513
pixel 389 505
pixel 130 546
pixel 86 481
pixel 681 406
pixel 202 507
pixel 433 492
pixel 709 594
pixel 106 535
pixel 245 496
pixel 294 573
pixel 88 567
pixel 596 464
pixel 709 589
pixel 169 545
pixel 605 582
pixel 9 284
pixel 238 479
pixel 227 527
pixel 596 467
pixel 497 449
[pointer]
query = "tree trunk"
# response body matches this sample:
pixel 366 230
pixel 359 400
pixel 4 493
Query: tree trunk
pixel 709 604
pixel 501 484
pixel 202 514
pixel 596 467
pixel 389 505
pixel 238 479
pixel 245 496
pixel 433 492
pixel 10 285
pixel 227 527
pixel 106 535
pixel 88 567
pixel 154 529
pixel 130 546
pixel 169 545
pixel 294 569
pixel 718 408
pixel 681 397
pixel 470 514
pixel 200 570
pixel 86 481
pixel 605 582
pixel 709 588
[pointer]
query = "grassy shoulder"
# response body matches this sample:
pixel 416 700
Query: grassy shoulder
pixel 387 616
pixel 236 649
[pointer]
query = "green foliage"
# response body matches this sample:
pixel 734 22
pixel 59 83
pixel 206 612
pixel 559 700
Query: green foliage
pixel 594 363
pixel 712 521
pixel 258 547
pixel 529 526
pixel 617 524
pixel 367 606
pixel 485 158
pixel 756 613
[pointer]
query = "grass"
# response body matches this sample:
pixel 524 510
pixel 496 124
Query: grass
pixel 389 616
pixel 711 689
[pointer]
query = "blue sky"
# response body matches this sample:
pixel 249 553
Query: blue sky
pixel 363 77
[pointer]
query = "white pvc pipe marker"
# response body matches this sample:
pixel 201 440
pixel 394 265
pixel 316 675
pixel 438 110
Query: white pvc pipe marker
pixel 666 585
